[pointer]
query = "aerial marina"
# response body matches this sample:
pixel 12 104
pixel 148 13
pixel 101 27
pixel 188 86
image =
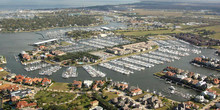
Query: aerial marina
pixel 93 72
pixel 70 72
pixel 36 66
pixel 48 71
pixel 111 57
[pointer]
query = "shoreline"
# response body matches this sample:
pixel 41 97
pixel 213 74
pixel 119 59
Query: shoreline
pixel 45 29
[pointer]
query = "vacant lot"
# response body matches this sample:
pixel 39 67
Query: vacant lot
pixel 59 86
pixel 143 33
pixel 53 97
pixel 110 95
pixel 3 73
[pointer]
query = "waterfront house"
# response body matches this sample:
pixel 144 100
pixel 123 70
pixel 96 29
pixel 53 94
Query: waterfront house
pixel 190 74
pixel 211 94
pixel 200 83
pixel 24 104
pixel 37 80
pixel 194 82
pixel 136 91
pixel 46 82
pixel 199 98
pixel 77 84
pixel 170 74
pixel 28 81
pixel 87 83
pixel 122 85
pixel 100 83
pixel 188 80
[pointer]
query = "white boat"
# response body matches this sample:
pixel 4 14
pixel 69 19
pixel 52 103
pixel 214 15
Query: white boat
pixel 172 88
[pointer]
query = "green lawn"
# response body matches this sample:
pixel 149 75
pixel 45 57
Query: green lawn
pixel 213 28
pixel 159 74
pixel 167 104
pixel 63 43
pixel 3 73
pixel 111 95
pixel 53 97
pixel 216 89
pixel 82 102
pixel 59 86
pixel 139 96
pixel 143 33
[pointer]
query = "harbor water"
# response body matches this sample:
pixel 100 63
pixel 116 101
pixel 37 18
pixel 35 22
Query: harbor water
pixel 13 43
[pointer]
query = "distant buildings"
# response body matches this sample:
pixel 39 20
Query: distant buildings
pixel 131 48
pixel 24 104
pixel 27 80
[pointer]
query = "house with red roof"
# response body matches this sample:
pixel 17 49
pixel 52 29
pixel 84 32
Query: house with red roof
pixel 28 81
pixel 122 86
pixel 46 82
pixel 77 84
pixel 136 91
pixel 24 104
pixel 37 80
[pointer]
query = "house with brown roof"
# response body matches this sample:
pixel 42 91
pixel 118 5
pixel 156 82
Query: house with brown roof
pixel 122 86
pixel 37 80
pixel 136 91
pixel 77 84
pixel 100 82
pixel 28 81
pixel 194 82
pixel 170 74
pixel 95 87
pixel 24 104
pixel 94 103
pixel 46 82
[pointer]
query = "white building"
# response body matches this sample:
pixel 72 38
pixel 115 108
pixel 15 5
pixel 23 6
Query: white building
pixel 87 83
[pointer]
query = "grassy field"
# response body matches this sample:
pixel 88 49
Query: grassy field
pixel 63 43
pixel 139 96
pixel 143 33
pixel 159 74
pixel 59 86
pixel 3 73
pixel 158 13
pixel 213 28
pixel 216 89
pixel 111 95
pixel 82 102
pixel 53 97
